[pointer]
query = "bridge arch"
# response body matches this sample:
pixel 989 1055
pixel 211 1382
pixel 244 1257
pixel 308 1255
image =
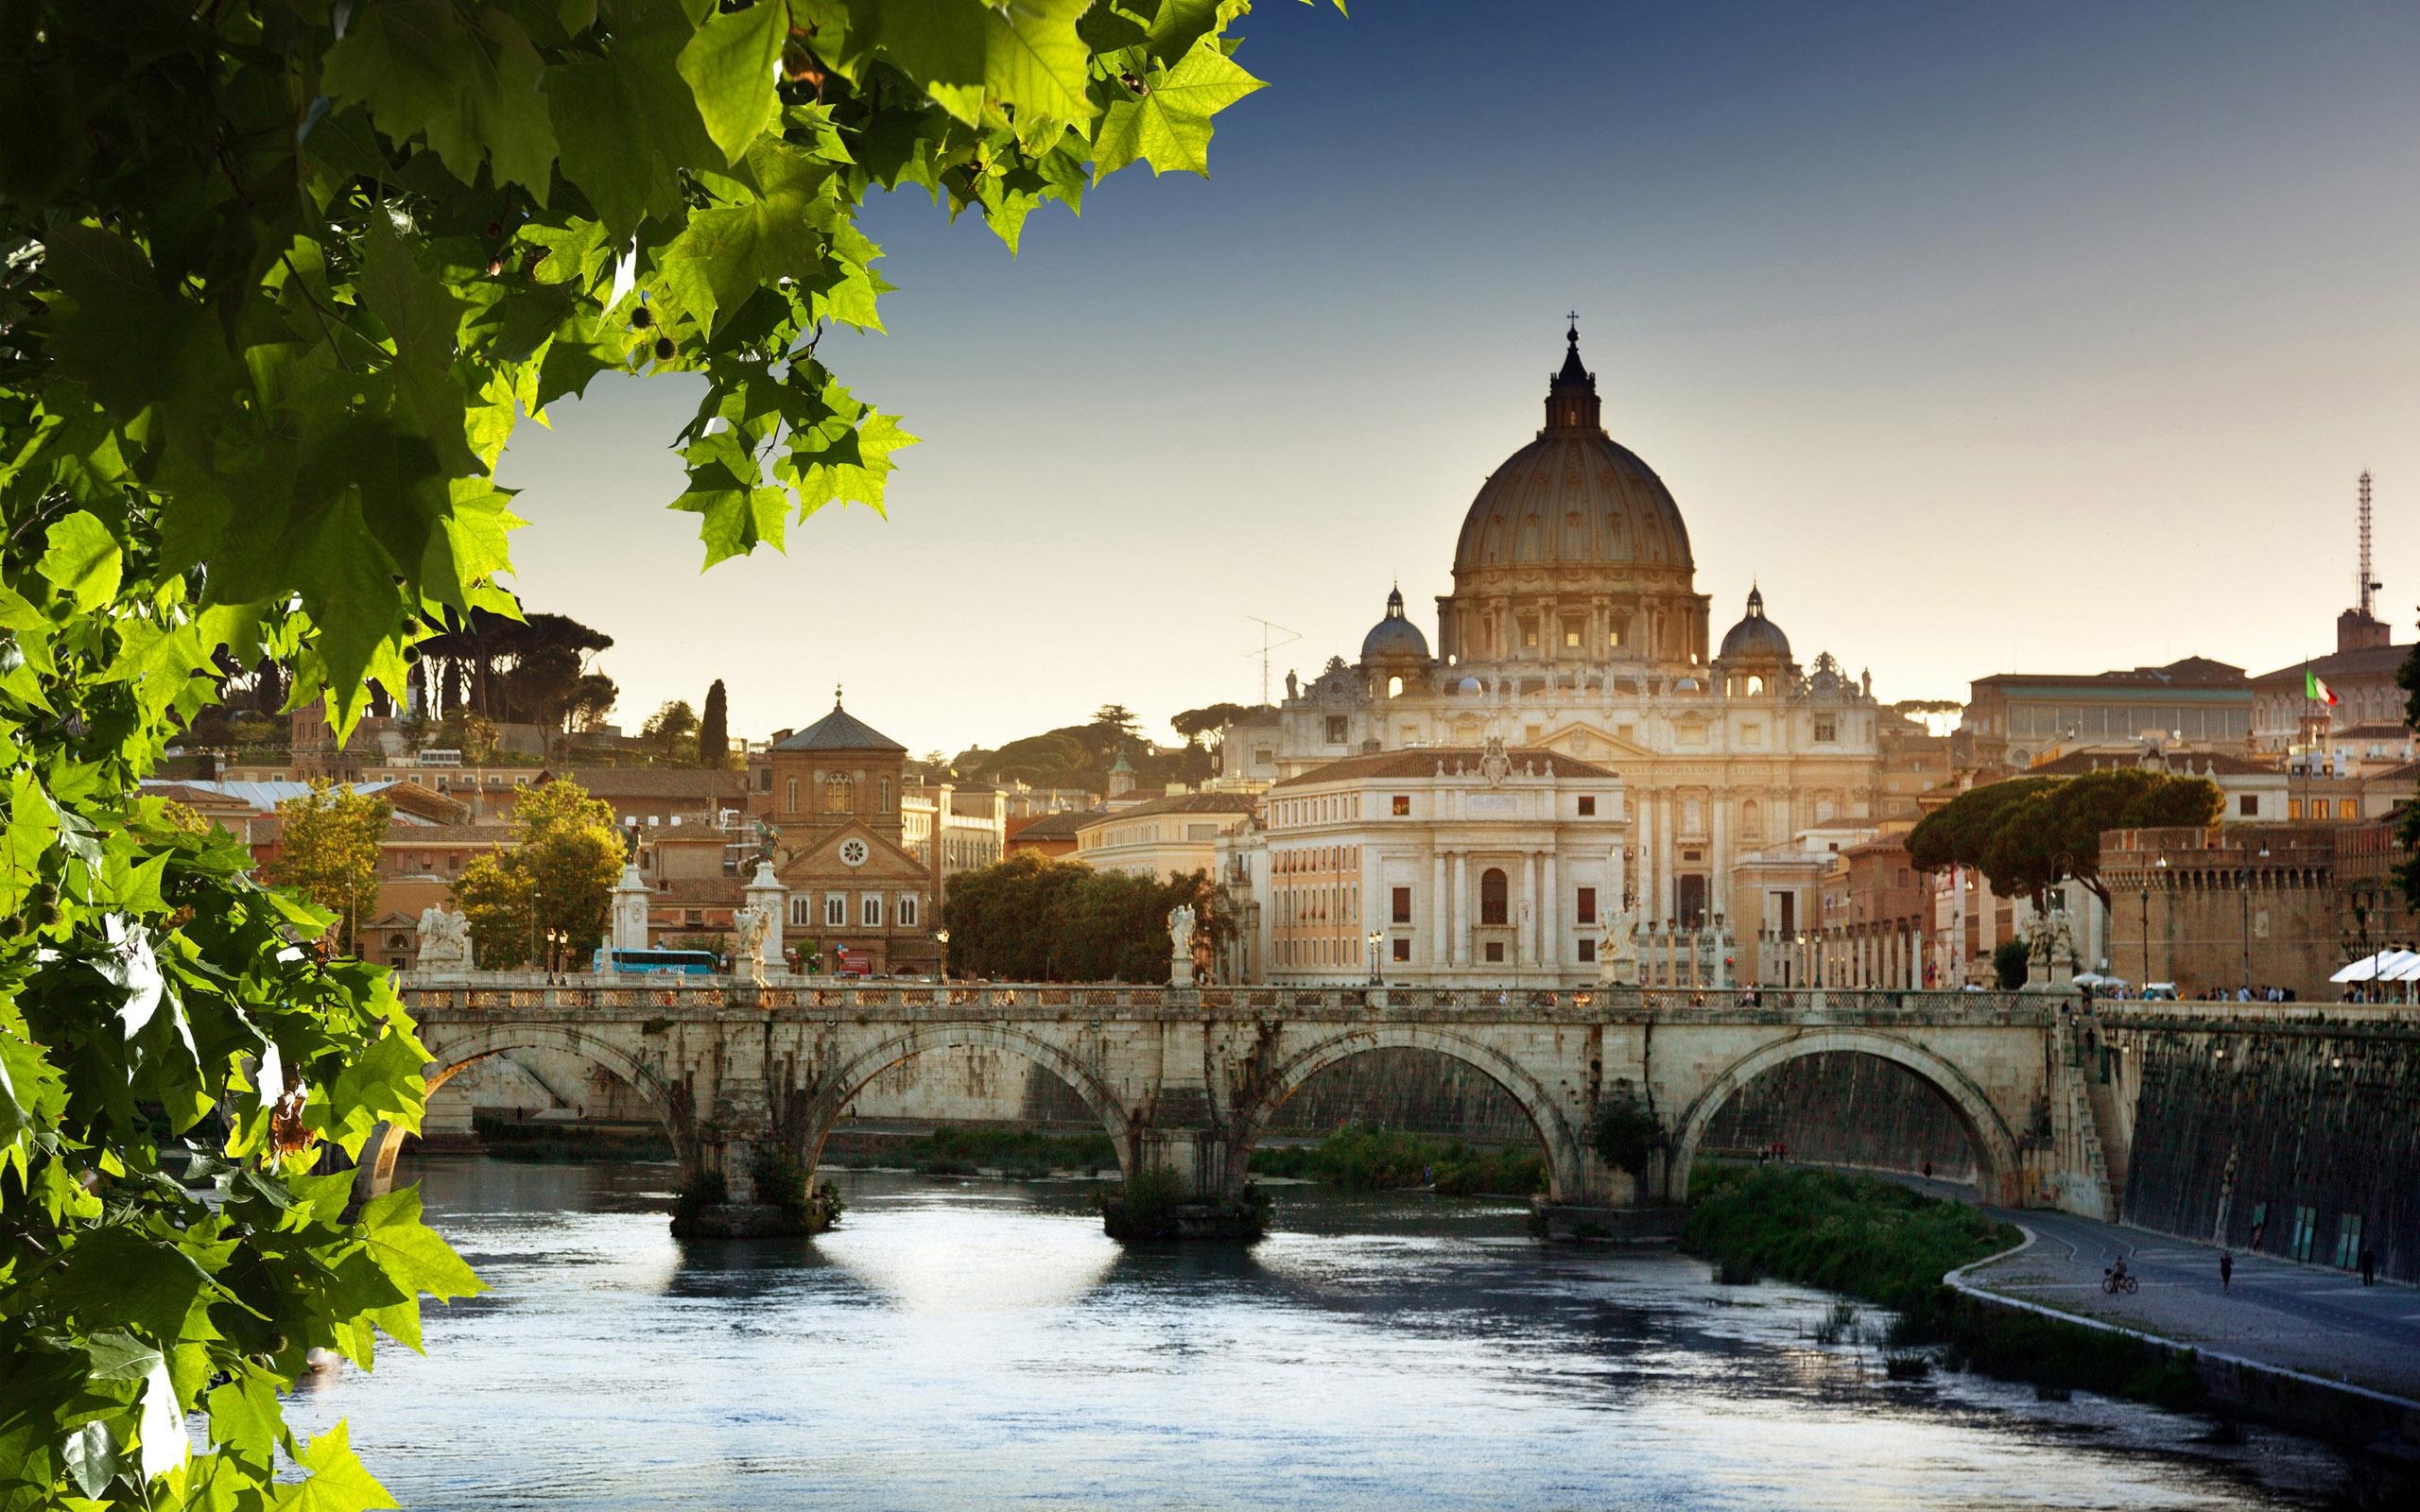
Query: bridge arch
pixel 1987 1133
pixel 1566 1169
pixel 839 1087
pixel 453 1051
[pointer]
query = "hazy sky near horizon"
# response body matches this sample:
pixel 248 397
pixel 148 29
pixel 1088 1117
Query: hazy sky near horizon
pixel 2049 336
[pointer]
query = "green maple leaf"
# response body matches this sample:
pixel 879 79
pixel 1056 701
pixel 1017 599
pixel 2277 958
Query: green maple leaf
pixel 338 1481
pixel 627 120
pixel 470 84
pixel 81 560
pixel 411 1252
pixel 1169 125
pixel 729 64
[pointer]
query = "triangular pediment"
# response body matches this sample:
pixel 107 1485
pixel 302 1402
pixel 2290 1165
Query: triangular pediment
pixel 823 861
pixel 1591 744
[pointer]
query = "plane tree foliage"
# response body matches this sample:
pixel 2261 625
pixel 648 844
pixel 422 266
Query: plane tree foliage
pixel 1037 918
pixel 278 278
pixel 2028 835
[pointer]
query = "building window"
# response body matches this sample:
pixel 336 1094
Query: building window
pixel 1587 807
pixel 886 794
pixel 1826 732
pixel 799 914
pixel 2347 808
pixel 1587 905
pixel 1402 904
pixel 792 794
pixel 1491 891
pixel 1571 636
pixel 906 910
pixel 835 910
pixel 870 911
pixel 2248 805
pixel 1495 953
pixel 1336 730
pixel 1403 948
pixel 2293 808
pixel 1587 948
pixel 765 780
pixel 836 793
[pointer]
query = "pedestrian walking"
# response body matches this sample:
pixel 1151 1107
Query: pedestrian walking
pixel 2226 1270
pixel 2369 1266
pixel 1927 1170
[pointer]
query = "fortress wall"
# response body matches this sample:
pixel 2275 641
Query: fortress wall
pixel 2323 1124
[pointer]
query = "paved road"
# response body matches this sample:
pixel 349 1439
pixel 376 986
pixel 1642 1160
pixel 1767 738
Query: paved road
pixel 2310 1319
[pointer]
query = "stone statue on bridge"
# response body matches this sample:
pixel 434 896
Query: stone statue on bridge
pixel 1180 945
pixel 751 927
pixel 444 940
pixel 2050 953
pixel 1617 953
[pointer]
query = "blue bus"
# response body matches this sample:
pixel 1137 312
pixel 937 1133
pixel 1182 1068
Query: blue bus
pixel 658 963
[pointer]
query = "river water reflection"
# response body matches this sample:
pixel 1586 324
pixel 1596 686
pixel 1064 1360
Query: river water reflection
pixel 978 1343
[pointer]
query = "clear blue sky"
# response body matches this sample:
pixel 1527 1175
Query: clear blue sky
pixel 2049 335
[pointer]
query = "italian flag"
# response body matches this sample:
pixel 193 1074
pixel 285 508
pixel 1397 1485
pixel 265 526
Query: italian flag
pixel 2316 691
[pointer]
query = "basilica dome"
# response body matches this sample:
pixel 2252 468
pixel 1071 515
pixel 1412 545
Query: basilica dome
pixel 1756 638
pixel 1395 638
pixel 1575 497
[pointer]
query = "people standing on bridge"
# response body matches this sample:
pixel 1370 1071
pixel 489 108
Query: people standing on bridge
pixel 2226 1270
pixel 2369 1266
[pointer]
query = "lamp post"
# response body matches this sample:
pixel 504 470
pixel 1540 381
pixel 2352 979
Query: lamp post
pixel 2248 876
pixel 941 937
pixel 554 954
pixel 1378 977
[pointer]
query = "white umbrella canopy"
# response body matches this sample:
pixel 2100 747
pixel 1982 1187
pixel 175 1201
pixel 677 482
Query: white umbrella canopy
pixel 2405 966
pixel 2385 965
pixel 2097 979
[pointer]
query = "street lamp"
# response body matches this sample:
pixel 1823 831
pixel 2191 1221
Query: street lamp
pixel 941 937
pixel 1376 977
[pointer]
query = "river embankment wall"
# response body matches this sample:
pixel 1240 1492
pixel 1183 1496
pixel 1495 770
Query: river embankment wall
pixel 2292 1131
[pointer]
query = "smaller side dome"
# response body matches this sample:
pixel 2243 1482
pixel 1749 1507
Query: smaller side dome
pixel 1756 638
pixel 1395 638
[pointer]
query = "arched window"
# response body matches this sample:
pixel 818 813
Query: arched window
pixel 1492 889
pixel 1756 687
pixel 836 793
pixel 794 796
pixel 886 800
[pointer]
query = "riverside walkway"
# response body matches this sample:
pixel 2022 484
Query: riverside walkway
pixel 2313 1319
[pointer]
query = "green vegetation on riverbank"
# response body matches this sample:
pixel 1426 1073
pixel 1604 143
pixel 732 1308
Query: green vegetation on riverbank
pixel 1375 1159
pixel 1884 1243
pixel 1026 1153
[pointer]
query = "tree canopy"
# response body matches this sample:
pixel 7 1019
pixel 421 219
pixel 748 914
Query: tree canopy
pixel 1035 918
pixel 558 874
pixel 2028 835
pixel 278 278
pixel 714 728
pixel 328 845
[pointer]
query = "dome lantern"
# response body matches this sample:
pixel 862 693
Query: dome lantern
pixel 1572 406
pixel 1756 638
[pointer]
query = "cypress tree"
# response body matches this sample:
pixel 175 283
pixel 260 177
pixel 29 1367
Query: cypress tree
pixel 713 731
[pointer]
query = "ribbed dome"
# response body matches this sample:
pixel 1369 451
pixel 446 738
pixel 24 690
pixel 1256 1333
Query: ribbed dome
pixel 1756 638
pixel 1574 497
pixel 1395 638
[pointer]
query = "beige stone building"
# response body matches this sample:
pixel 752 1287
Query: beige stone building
pixel 1459 864
pixel 1576 628
pixel 1176 834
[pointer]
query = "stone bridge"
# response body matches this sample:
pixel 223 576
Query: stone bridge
pixel 1187 1079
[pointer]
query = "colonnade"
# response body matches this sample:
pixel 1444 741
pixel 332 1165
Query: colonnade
pixel 1884 954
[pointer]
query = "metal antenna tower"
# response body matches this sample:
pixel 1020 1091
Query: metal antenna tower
pixel 2367 585
pixel 1267 645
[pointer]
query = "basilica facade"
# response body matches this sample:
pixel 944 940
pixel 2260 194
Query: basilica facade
pixel 1576 629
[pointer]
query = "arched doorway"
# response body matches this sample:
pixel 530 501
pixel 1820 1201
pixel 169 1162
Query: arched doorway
pixel 1566 1173
pixel 1987 1134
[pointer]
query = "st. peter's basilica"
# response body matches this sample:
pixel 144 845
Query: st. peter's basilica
pixel 1574 630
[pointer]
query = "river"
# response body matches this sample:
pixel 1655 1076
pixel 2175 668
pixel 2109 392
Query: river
pixel 981 1344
